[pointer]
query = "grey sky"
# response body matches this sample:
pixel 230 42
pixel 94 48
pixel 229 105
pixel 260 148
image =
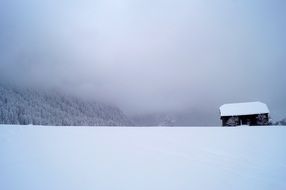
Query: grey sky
pixel 149 56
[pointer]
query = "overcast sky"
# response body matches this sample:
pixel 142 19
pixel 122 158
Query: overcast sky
pixel 149 55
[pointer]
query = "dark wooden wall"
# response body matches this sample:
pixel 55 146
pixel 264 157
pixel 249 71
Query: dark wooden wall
pixel 252 120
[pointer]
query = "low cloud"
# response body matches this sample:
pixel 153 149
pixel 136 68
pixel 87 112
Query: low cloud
pixel 148 56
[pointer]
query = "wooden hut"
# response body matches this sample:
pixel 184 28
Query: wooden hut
pixel 249 113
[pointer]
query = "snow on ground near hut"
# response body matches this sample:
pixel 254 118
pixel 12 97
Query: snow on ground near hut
pixel 103 158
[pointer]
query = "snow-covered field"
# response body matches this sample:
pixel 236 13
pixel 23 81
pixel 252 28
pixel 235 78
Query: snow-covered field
pixel 110 158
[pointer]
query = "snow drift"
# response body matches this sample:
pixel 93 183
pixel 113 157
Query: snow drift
pixel 78 158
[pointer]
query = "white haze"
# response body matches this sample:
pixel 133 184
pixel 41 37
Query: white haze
pixel 149 56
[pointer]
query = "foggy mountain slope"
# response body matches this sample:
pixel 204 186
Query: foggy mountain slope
pixel 281 122
pixel 181 118
pixel 28 106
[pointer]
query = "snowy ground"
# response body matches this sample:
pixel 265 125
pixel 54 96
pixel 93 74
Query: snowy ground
pixel 77 158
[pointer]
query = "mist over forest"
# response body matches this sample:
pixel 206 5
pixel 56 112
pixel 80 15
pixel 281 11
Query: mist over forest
pixel 160 58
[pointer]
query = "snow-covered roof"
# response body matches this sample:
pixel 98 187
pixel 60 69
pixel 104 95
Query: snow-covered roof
pixel 248 108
